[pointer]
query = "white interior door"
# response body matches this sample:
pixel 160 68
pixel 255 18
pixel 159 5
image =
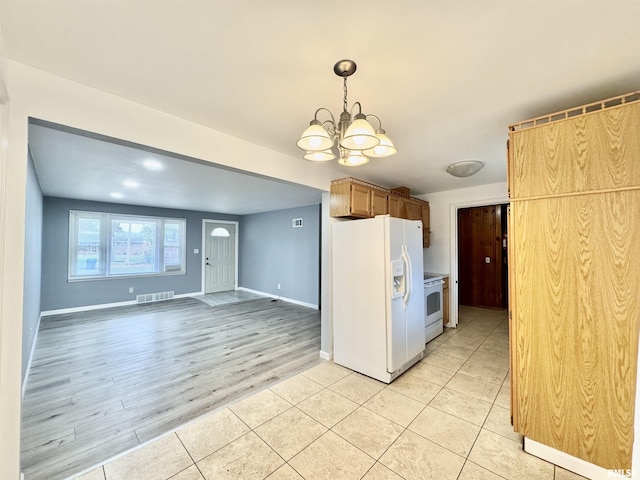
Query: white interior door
pixel 220 257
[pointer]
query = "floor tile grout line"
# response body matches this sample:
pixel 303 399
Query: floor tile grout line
pixel 360 405
pixel 190 456
pixel 466 459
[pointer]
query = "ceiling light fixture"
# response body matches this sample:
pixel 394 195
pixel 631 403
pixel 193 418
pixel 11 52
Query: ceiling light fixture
pixel 357 140
pixel 465 168
pixel 152 164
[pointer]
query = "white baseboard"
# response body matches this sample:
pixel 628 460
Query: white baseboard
pixel 571 463
pixel 284 299
pixel 86 308
pixel 33 349
pixel 326 355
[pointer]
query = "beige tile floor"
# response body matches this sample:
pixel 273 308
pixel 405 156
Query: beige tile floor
pixel 446 418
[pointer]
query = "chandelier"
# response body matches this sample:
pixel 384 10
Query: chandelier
pixel 357 141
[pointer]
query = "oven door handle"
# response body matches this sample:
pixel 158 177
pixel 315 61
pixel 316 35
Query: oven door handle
pixel 407 277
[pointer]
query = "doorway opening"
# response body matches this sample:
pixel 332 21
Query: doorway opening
pixel 482 256
pixel 454 248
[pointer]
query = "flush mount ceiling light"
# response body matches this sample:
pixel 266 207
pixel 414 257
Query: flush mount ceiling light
pixel 465 168
pixel 152 164
pixel 352 139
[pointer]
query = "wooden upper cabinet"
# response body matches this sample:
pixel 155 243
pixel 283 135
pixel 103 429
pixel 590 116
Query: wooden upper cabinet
pixel 394 205
pixel 353 198
pixel 595 151
pixel 379 202
pixel 360 201
pixel 412 209
pixel 426 223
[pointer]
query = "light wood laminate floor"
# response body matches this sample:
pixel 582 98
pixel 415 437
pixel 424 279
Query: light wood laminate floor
pixel 104 381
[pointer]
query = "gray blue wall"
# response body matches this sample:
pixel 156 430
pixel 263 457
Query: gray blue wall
pixel 271 252
pixel 33 257
pixel 58 293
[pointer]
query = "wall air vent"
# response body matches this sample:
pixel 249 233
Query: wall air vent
pixel 154 297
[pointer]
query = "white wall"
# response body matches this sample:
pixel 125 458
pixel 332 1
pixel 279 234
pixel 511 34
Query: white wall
pixel 437 258
pixel 10 306
pixel 441 256
pixel 35 93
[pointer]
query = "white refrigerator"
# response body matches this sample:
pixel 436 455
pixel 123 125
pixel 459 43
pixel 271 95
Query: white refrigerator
pixel 378 304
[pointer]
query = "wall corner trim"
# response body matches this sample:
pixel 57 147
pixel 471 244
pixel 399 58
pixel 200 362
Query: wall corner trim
pixel 326 355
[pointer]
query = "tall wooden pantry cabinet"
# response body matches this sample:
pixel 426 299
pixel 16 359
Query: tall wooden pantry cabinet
pixel 574 266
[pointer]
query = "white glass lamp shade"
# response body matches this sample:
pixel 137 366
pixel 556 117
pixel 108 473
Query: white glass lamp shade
pixel 323 156
pixel 359 136
pixel 353 159
pixel 465 168
pixel 315 138
pixel 384 149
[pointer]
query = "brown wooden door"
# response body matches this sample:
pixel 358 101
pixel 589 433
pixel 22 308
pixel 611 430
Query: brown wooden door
pixel 481 259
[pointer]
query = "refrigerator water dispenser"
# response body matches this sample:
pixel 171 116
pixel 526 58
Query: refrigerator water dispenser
pixel 397 272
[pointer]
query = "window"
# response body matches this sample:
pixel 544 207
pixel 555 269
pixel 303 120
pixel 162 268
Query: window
pixel 114 245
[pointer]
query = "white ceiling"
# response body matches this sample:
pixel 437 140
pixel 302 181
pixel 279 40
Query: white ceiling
pixel 73 164
pixel 445 77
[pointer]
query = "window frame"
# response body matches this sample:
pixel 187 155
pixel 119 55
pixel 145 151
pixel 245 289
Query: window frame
pixel 104 262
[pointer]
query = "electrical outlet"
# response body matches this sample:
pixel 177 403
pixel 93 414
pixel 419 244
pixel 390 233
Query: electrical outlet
pixel 130 289
pixel 278 286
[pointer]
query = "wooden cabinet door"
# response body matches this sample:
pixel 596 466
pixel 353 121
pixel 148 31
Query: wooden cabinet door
pixel 412 209
pixel 426 230
pixel 576 316
pixel 592 152
pixel 445 300
pixel 513 357
pixel 379 202
pixel 394 206
pixel 360 200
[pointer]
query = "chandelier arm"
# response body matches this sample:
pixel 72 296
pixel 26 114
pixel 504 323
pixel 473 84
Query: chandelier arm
pixel 332 131
pixel 359 107
pixel 376 117
pixel 315 116
pixel 331 128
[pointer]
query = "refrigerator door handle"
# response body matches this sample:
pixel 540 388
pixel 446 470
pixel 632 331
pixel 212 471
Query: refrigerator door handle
pixel 407 277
